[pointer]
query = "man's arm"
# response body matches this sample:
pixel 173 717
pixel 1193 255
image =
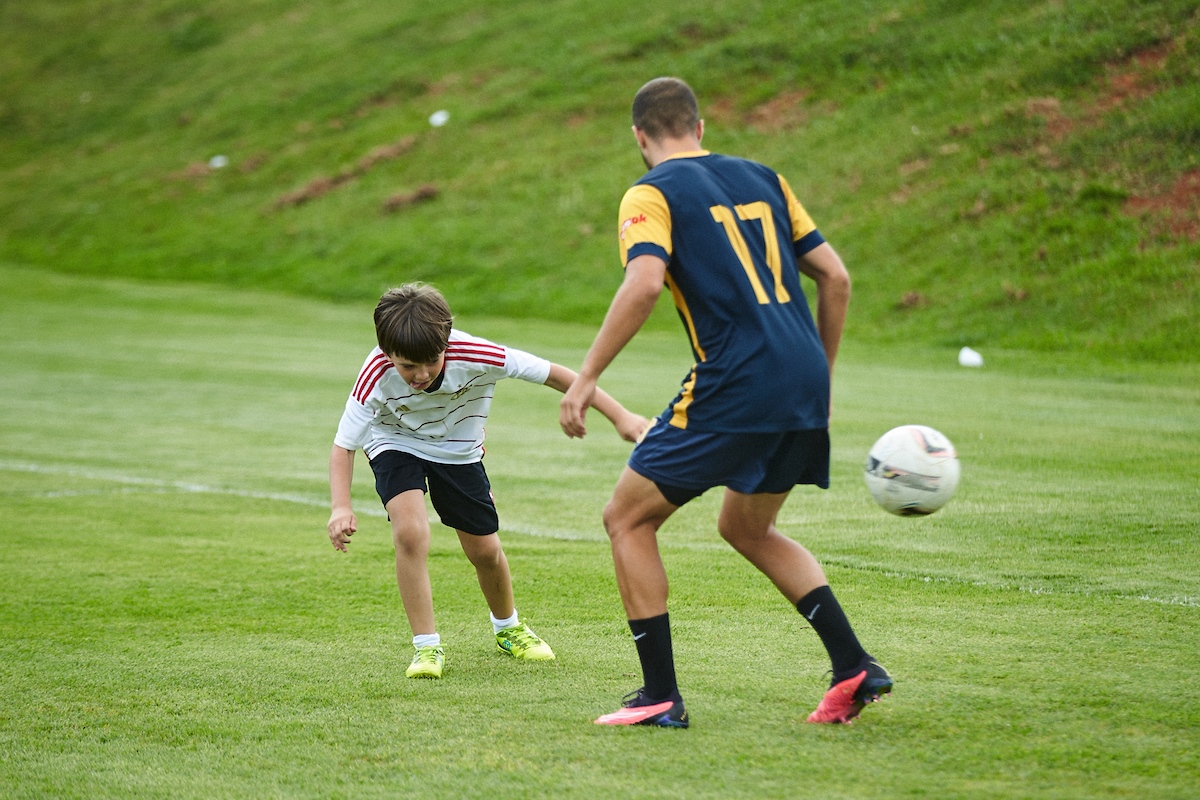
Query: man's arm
pixel 342 522
pixel 630 308
pixel 824 266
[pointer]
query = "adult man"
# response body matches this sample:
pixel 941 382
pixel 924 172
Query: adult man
pixel 729 239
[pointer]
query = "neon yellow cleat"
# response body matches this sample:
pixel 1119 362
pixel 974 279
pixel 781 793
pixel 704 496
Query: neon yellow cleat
pixel 427 663
pixel 521 642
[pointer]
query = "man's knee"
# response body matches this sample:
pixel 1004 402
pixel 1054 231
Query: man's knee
pixel 612 518
pixel 733 532
pixel 740 532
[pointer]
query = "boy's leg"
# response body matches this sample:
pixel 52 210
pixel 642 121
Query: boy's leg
pixel 410 533
pixel 513 637
pixel 491 568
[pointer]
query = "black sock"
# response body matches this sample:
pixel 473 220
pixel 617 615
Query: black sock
pixel 653 639
pixel 823 612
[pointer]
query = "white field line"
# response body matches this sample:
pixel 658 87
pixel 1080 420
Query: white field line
pixel 159 485
pixel 152 484
pixel 163 486
pixel 1174 600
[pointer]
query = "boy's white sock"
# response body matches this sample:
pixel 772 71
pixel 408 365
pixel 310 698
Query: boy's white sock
pixel 427 640
pixel 500 624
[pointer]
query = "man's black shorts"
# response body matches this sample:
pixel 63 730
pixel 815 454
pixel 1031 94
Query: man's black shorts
pixel 685 464
pixel 461 493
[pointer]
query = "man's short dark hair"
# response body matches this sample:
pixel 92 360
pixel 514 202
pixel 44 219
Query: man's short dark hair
pixel 413 321
pixel 666 107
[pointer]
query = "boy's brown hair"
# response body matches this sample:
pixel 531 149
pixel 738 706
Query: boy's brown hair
pixel 666 107
pixel 413 321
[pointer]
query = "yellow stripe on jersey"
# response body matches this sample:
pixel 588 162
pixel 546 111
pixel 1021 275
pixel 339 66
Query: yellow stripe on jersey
pixel 802 224
pixel 679 417
pixel 681 304
pixel 644 217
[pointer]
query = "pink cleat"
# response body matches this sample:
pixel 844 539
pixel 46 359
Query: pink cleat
pixel 637 709
pixel 846 698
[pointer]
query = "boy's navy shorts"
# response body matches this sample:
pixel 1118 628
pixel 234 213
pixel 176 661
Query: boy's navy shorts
pixel 684 464
pixel 461 493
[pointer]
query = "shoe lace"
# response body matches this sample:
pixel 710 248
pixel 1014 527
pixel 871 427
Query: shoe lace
pixel 631 698
pixel 428 655
pixel 522 636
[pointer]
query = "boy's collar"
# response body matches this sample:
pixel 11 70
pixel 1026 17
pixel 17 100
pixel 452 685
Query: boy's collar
pixel 437 382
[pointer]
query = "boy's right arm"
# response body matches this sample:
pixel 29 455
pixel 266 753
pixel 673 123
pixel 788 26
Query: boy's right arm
pixel 342 522
pixel 630 426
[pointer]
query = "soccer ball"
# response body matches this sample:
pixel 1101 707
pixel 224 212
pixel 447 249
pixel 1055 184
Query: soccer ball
pixel 912 470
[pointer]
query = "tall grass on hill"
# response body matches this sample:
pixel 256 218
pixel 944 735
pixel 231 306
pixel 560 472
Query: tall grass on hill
pixel 995 174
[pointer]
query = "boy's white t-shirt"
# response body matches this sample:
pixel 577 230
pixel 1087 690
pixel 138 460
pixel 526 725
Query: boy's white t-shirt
pixel 444 425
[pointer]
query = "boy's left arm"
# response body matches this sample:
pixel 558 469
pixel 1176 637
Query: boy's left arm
pixel 629 425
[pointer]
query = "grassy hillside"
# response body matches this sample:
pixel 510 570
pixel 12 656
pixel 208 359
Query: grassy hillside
pixel 995 174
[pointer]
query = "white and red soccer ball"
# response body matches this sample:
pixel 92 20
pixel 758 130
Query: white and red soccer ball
pixel 912 470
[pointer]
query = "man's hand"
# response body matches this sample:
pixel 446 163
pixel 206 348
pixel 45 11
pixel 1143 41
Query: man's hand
pixel 573 409
pixel 342 525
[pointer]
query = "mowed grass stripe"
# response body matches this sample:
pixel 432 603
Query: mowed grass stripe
pixel 224 656
pixel 156 641
pixel 151 486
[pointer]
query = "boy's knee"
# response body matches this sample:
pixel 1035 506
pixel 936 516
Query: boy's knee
pixel 410 538
pixel 482 551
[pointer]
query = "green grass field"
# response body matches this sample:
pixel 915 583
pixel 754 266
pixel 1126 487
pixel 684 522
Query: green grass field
pixel 177 341
pixel 174 623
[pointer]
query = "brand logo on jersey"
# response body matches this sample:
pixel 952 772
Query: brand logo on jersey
pixel 631 221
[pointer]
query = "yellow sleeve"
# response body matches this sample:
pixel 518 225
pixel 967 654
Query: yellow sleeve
pixel 802 223
pixel 645 223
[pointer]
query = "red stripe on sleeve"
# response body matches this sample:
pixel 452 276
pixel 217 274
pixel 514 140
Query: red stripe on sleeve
pixel 491 354
pixel 372 380
pixel 370 368
pixel 474 359
pixel 495 351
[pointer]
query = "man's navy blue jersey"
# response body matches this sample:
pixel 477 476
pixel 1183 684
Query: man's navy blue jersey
pixel 730 231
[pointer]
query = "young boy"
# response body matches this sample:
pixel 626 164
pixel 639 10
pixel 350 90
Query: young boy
pixel 418 409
